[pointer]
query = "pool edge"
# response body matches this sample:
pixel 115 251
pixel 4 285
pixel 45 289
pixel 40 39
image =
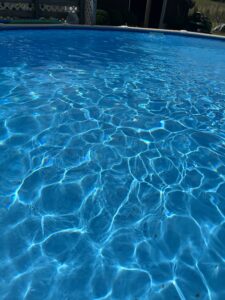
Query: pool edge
pixel 111 28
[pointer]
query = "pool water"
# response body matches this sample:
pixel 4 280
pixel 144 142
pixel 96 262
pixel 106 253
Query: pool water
pixel 112 166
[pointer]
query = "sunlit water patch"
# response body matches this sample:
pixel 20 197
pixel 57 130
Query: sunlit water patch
pixel 112 166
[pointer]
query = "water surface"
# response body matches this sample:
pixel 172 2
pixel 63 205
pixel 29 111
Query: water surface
pixel 112 166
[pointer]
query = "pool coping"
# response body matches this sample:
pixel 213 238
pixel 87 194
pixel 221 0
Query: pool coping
pixel 111 28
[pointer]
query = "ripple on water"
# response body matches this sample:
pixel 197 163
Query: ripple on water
pixel 112 166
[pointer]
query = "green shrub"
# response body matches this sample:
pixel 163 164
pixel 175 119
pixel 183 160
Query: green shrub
pixel 102 17
pixel 199 22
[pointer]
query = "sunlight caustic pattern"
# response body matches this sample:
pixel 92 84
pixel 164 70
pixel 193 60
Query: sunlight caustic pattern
pixel 112 166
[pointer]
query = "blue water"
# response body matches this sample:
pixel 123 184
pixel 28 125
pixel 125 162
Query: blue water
pixel 112 166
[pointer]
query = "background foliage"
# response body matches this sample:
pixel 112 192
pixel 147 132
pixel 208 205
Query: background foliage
pixel 214 10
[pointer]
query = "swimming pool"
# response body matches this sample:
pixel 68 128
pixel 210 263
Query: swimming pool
pixel 112 166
